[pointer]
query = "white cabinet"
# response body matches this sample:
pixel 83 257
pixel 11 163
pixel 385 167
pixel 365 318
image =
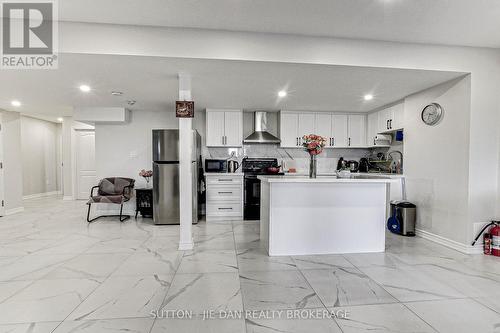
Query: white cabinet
pixel 340 130
pixel 340 127
pixel 391 118
pixel 289 124
pixel 293 126
pixel 372 130
pixel 224 128
pixel 324 127
pixel 224 196
pixel 357 130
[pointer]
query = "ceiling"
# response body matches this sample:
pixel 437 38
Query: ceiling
pixel 153 83
pixel 449 22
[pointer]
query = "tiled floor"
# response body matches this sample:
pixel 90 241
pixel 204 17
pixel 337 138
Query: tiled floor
pixel 60 274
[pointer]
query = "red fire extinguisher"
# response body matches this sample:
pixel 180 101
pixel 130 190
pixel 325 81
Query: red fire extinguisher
pixel 491 239
pixel 495 240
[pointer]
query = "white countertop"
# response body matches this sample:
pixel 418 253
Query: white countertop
pixel 324 179
pixel 222 174
pixel 367 174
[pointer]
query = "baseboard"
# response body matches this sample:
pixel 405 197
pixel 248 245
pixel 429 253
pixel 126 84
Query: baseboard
pixel 67 197
pixel 41 195
pixel 14 211
pixel 460 247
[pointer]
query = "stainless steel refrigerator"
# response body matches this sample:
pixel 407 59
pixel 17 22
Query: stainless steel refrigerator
pixel 166 176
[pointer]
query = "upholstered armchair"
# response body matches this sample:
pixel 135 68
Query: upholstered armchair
pixel 114 190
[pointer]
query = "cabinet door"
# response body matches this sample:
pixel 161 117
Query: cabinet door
pixel 324 127
pixel 215 128
pixel 339 126
pixel 357 131
pixel 306 125
pixel 289 123
pixel 397 117
pixel 385 117
pixel 233 128
pixel 372 128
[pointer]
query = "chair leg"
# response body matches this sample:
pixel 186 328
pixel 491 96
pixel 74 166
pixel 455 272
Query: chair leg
pixel 88 216
pixel 125 217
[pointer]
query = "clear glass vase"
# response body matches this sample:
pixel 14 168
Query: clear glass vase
pixel 312 166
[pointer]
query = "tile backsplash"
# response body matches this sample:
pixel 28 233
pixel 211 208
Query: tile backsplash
pixel 290 158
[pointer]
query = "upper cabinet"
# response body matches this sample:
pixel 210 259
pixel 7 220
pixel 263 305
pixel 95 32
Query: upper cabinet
pixel 391 118
pixel 224 128
pixel 340 130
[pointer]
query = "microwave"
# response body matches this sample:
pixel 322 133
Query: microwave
pixel 212 165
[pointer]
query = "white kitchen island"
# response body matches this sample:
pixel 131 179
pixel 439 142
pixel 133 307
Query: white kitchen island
pixel 303 216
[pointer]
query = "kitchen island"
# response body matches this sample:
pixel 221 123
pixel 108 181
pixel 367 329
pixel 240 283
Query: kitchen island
pixel 325 215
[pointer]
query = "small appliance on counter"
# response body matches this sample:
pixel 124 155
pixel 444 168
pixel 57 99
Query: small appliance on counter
pixel 353 166
pixel 364 166
pixel 341 164
pixel 216 165
pixel 232 166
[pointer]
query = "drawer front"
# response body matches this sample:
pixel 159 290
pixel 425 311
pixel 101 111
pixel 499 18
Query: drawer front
pixel 224 209
pixel 224 193
pixel 224 180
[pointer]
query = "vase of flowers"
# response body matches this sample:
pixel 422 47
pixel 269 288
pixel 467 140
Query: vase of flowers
pixel 314 145
pixel 146 175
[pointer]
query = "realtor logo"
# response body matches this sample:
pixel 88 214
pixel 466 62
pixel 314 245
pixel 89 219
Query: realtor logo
pixel 29 34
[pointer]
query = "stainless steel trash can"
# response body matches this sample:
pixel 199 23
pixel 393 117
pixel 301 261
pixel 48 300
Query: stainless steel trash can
pixel 406 214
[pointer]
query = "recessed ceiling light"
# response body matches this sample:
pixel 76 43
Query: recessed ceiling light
pixel 16 103
pixel 116 93
pixel 368 97
pixel 282 93
pixel 84 88
pixel 60 119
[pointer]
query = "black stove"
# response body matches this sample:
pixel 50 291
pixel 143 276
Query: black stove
pixel 253 167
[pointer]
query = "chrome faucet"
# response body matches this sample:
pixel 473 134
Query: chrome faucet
pixel 401 157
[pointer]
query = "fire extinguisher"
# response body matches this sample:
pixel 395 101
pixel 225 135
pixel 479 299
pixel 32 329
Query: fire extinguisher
pixel 491 239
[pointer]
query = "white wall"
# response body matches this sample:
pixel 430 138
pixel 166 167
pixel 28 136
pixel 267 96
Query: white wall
pixel 437 160
pixel 13 175
pixel 123 150
pixel 39 146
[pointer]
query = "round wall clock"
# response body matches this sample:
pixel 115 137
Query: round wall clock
pixel 432 114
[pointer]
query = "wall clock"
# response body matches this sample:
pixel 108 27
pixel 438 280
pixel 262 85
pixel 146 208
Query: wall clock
pixel 432 114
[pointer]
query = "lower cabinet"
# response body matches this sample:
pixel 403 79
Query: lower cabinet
pixel 224 196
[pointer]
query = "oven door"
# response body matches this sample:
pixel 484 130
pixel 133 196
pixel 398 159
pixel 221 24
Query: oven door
pixel 252 198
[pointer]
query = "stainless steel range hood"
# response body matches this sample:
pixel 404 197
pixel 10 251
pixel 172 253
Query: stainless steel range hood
pixel 260 134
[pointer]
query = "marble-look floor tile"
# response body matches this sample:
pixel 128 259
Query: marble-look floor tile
pixel 88 266
pixel 46 300
pixel 277 290
pixel 124 297
pixel 150 263
pixel 163 244
pixel 204 291
pixel 292 326
pixel 411 283
pixel 43 327
pixel 211 228
pixel 7 289
pixel 346 286
pixel 220 241
pixel 199 326
pixel 207 261
pixel 457 316
pixel 116 245
pixel 259 260
pixel 32 267
pixel 329 261
pixel 386 318
pixel 132 325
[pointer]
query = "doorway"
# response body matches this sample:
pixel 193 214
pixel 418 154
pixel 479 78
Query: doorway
pixel 86 175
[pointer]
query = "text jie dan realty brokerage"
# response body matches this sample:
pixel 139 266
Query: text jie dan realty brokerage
pixel 252 314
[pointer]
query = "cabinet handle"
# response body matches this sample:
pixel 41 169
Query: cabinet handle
pixel 390 124
pixel 387 124
pixel 225 180
pixel 349 142
pixel 225 192
pixel 296 141
pixel 333 141
pixel 225 208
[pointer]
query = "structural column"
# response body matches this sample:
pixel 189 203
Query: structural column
pixel 186 173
